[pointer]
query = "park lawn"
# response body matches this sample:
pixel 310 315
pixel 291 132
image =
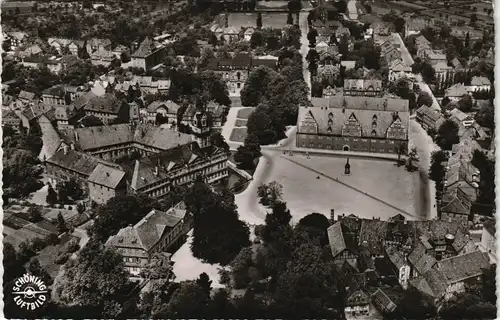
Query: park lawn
pixel 238 134
pixel 240 123
pixel 276 20
pixel 244 113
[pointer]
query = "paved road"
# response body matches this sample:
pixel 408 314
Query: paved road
pixel 353 11
pixel 251 211
pixel 304 48
pixel 84 238
pixel 247 201
pixel 425 87
pixel 425 146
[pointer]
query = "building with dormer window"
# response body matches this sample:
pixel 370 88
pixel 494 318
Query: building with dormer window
pixel 363 124
pixel 158 232
pixel 363 87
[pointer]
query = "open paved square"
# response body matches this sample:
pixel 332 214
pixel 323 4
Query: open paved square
pixel 375 188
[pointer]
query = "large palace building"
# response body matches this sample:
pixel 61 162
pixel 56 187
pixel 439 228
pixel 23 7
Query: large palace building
pixel 362 124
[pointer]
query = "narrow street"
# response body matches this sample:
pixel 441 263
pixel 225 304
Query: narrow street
pixel 425 87
pixel 304 48
pixel 425 146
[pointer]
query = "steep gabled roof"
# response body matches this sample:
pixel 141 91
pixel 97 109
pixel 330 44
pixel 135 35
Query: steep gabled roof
pixel 25 95
pixel 373 232
pixel 480 81
pixel 76 161
pixel 146 48
pixel 150 230
pixel 463 266
pixel 106 176
pixel 421 261
pixel 338 240
pixel 102 136
pixel 455 206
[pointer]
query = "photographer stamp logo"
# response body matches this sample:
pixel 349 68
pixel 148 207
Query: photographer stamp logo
pixel 30 292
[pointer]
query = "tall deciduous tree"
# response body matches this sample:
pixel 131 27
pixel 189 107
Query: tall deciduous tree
pixel 424 99
pixel 119 212
pixel 465 103
pixel 51 198
pixel 412 159
pixel 61 223
pixel 218 234
pixel 279 217
pixel 205 283
pixel 259 20
pixel 21 173
pixel 158 272
pixel 244 157
pixel 96 280
pixel 188 301
pixel 69 190
pixel 34 214
pixel 447 135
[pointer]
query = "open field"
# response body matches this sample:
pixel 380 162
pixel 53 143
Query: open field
pixel 276 20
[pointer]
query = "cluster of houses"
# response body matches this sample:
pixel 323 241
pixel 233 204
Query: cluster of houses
pixel 438 258
pixel 391 45
pixel 236 69
pixel 57 53
pixel 73 149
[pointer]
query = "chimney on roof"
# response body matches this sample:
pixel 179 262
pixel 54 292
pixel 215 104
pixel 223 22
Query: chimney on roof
pixel 332 214
pixel 65 148
pixel 156 170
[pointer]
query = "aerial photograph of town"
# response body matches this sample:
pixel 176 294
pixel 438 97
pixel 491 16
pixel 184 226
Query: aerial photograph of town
pixel 247 159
